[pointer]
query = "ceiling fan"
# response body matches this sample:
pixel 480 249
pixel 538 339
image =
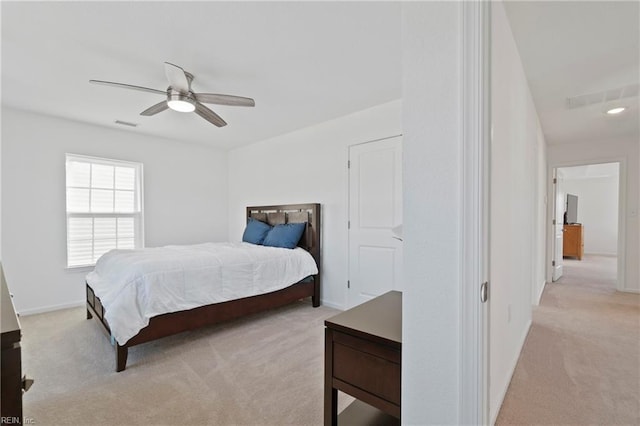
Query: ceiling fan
pixel 180 97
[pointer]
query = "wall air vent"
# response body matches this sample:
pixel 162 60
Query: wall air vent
pixel 603 97
pixel 126 123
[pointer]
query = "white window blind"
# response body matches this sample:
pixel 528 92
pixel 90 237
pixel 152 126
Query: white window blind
pixel 104 207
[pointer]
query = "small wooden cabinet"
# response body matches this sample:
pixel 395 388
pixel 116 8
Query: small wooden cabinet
pixel 363 357
pixel 573 241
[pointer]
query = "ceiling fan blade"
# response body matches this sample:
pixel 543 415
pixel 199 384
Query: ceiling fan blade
pixel 177 78
pixel 128 86
pixel 209 115
pixel 153 110
pixel 212 98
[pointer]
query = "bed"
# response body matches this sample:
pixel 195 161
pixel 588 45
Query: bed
pixel 166 324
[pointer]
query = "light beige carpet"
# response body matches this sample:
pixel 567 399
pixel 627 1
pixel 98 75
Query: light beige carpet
pixel 580 363
pixel 263 370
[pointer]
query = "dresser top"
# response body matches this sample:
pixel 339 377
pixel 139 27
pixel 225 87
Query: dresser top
pixel 378 319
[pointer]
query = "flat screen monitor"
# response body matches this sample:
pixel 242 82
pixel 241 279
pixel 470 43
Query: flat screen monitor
pixel 571 215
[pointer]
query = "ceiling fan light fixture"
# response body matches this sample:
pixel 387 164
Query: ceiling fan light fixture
pixel 181 103
pixel 179 96
pixel 616 110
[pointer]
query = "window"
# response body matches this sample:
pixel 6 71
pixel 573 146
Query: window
pixel 104 207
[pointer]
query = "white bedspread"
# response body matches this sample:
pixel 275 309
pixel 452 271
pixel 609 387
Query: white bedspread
pixel 135 285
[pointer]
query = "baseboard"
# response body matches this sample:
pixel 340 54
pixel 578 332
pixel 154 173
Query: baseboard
pixel 601 254
pixel 331 304
pixel 630 290
pixel 514 363
pixel 536 301
pixel 51 308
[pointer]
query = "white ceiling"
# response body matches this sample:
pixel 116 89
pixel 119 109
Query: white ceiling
pixel 577 48
pixel 303 63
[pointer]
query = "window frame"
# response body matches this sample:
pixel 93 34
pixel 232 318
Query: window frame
pixel 137 214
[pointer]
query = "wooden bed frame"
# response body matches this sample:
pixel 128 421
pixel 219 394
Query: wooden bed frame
pixel 177 322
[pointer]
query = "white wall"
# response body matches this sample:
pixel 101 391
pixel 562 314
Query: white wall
pixel 518 213
pixel 597 211
pixel 541 215
pixel 625 151
pixel 432 188
pixel 309 166
pixel 0 191
pixel 185 192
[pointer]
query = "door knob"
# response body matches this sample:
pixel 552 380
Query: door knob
pixel 484 292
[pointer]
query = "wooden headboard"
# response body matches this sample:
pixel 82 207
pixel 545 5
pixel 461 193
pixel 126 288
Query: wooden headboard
pixel 294 213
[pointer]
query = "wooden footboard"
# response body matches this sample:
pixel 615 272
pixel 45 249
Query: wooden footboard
pixel 177 322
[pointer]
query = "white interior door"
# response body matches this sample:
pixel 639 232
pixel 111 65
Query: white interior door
pixel 558 225
pixel 375 207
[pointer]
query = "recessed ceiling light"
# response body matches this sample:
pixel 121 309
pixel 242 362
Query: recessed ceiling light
pixel 616 110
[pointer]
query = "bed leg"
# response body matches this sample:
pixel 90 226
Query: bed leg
pixel 315 299
pixel 121 357
pixel 89 316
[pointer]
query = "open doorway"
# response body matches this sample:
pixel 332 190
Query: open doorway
pixel 587 215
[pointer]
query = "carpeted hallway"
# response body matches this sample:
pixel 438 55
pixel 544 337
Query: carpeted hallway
pixel 581 360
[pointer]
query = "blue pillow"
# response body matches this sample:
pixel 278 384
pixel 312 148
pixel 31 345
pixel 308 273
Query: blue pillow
pixel 255 231
pixel 285 236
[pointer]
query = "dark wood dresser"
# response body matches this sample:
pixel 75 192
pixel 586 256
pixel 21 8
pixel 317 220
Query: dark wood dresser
pixel 573 241
pixel 11 368
pixel 363 358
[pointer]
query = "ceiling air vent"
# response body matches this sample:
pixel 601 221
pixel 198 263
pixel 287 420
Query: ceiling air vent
pixel 126 123
pixel 602 97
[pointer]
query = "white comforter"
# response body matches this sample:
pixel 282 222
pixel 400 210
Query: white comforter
pixel 135 285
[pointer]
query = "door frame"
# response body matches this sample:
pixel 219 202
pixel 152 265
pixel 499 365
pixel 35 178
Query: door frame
pixel 622 219
pixel 476 210
pixel 555 188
